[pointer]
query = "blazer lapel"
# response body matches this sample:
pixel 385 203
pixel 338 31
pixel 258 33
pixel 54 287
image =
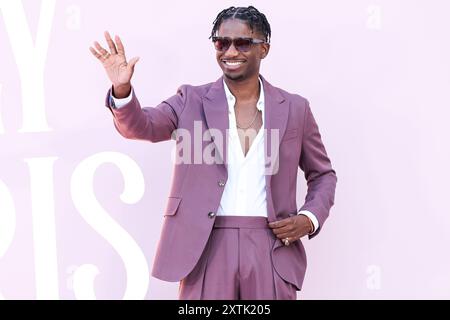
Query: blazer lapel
pixel 215 107
pixel 275 121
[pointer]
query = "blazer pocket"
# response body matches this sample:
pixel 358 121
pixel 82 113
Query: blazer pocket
pixel 290 134
pixel 172 206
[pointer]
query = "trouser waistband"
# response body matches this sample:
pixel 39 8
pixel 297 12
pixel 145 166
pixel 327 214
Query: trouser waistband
pixel 241 222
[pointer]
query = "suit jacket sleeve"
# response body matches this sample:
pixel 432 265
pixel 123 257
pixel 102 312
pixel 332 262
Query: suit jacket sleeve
pixel 153 124
pixel 319 174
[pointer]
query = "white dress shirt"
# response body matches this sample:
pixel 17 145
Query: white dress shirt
pixel 245 191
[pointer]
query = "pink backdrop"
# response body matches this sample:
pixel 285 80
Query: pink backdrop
pixel 81 207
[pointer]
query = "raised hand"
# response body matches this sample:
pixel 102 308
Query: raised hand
pixel 117 68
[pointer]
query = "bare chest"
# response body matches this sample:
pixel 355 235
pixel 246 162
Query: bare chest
pixel 249 122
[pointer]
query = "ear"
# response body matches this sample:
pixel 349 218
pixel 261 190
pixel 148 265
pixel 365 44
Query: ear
pixel 264 50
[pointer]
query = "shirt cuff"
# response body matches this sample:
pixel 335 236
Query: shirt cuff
pixel 117 103
pixel 313 219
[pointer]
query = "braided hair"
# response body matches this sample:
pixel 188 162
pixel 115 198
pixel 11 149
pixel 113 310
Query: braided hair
pixel 256 20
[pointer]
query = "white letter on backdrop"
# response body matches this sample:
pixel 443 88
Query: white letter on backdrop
pixel 44 228
pixel 30 58
pixel 7 220
pixel 82 190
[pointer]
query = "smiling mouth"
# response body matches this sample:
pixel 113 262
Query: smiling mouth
pixel 232 63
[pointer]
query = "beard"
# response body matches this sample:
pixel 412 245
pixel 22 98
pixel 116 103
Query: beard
pixel 239 77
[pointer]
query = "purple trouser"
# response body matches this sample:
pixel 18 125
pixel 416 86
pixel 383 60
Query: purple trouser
pixel 237 264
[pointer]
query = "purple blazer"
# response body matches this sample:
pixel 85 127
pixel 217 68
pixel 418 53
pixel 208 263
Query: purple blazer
pixel 196 190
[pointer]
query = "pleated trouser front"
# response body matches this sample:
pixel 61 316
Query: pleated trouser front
pixel 237 264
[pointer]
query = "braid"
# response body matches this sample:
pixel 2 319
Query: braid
pixel 256 20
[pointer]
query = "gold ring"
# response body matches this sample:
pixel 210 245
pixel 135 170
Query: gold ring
pixel 105 56
pixel 286 241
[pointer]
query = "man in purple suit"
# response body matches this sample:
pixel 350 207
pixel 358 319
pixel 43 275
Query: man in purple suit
pixel 231 226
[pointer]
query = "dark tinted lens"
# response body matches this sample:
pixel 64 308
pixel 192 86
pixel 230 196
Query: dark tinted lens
pixel 242 44
pixel 222 44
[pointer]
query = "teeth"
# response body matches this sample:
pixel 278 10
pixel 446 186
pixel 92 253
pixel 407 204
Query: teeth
pixel 233 63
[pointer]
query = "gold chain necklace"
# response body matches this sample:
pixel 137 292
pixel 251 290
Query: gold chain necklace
pixel 254 118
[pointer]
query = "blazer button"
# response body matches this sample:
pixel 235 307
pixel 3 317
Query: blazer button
pixel 211 214
pixel 221 183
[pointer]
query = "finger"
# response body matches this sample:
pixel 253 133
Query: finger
pixel 290 235
pixel 111 45
pixel 281 230
pixel 100 48
pixel 280 223
pixel 133 62
pixel 95 53
pixel 120 48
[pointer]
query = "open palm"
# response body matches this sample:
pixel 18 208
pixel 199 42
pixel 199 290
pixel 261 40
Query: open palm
pixel 117 68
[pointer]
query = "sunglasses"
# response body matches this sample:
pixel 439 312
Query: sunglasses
pixel 241 44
